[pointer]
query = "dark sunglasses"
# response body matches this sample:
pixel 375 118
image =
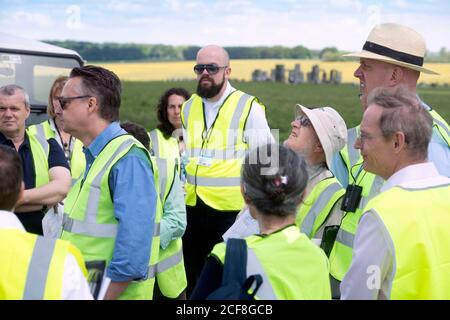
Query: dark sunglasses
pixel 63 102
pixel 211 68
pixel 304 121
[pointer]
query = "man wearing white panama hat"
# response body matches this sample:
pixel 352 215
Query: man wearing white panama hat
pixel 393 55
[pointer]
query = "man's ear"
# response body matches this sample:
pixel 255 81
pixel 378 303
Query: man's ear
pixel 92 104
pixel 399 141
pixel 397 75
pixel 318 147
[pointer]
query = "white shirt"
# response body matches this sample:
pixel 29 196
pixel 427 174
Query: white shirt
pixel 75 286
pixel 256 131
pixel 245 225
pixel 374 252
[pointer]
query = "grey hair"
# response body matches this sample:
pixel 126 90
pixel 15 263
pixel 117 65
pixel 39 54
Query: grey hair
pixel 403 111
pixel 10 90
pixel 280 192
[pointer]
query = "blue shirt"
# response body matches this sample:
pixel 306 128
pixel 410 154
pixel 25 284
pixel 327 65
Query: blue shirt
pixel 134 196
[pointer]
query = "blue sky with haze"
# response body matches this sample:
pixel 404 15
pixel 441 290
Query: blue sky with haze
pixel 314 24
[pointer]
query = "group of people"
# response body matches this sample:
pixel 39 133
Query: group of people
pixel 328 213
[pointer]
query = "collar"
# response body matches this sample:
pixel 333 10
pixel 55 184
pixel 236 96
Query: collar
pixel 9 220
pixel 416 175
pixel 5 140
pixel 97 145
pixel 315 175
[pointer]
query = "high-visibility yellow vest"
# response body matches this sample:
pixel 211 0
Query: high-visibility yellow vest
pixel 170 272
pixel 164 148
pixel 418 222
pixel 292 267
pixel 40 150
pixel 222 147
pixel 32 267
pixel 317 206
pixel 77 161
pixel 342 251
pixel 89 221
pixel 441 126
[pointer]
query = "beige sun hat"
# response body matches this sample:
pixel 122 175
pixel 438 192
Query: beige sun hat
pixel 329 127
pixel 396 44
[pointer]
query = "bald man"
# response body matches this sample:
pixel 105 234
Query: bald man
pixel 220 124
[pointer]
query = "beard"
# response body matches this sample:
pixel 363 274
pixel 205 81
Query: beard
pixel 212 91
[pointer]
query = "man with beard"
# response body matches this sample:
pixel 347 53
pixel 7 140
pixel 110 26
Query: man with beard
pixel 220 125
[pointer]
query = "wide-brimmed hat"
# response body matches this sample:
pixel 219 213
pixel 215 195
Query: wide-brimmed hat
pixel 329 127
pixel 396 44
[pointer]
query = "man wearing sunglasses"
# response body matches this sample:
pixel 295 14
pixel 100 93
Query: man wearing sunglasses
pixel 46 174
pixel 220 124
pixel 112 212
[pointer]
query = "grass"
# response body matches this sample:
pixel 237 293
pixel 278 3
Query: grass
pixel 139 100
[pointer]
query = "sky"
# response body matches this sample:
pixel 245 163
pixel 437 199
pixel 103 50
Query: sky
pixel 315 24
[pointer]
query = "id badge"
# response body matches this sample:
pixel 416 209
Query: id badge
pixel 205 161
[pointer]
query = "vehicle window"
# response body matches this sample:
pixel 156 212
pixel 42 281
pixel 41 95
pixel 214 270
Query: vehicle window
pixel 34 72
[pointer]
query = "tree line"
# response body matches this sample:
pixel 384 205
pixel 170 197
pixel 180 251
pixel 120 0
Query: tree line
pixel 159 52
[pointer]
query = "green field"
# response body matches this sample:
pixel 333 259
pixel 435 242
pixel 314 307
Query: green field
pixel 139 100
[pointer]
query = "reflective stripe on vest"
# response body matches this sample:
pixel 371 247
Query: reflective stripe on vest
pixel 32 267
pixel 169 262
pixel 346 237
pixel 417 222
pixel 318 206
pixel 223 144
pixel 216 154
pixel 40 150
pixel 342 251
pixel 101 213
pixel 170 272
pixel 89 225
pixel 155 142
pixel 165 148
pixel 186 109
pixel 441 126
pixel 162 167
pixel 265 292
pixel 77 162
pixel 38 269
pixel 213 182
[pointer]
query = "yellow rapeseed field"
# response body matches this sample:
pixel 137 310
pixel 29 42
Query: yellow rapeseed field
pixel 242 69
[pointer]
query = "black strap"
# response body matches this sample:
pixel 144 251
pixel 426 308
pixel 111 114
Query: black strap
pixel 397 55
pixel 235 265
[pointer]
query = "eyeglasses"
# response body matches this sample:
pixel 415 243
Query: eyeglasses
pixel 64 101
pixel 304 121
pixel 364 137
pixel 211 68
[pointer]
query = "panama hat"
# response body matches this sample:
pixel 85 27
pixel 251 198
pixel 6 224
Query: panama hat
pixel 396 44
pixel 329 127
